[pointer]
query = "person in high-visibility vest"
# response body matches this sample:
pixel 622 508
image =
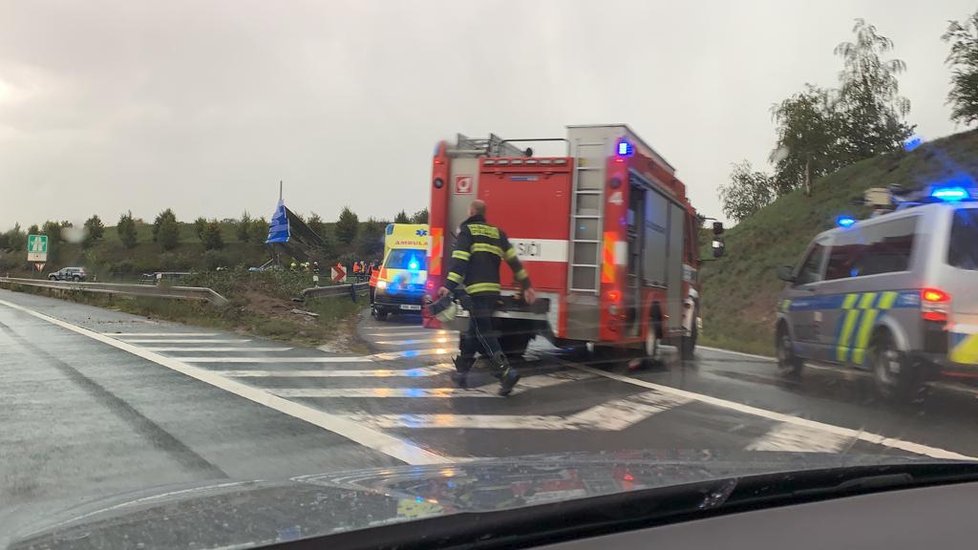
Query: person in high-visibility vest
pixel 474 279
pixel 374 277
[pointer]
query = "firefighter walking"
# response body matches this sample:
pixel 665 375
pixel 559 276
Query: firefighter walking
pixel 479 249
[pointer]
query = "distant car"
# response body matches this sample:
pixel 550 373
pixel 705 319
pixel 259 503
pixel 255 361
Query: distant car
pixel 69 274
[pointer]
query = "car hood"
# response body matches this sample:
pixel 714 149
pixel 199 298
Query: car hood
pixel 256 512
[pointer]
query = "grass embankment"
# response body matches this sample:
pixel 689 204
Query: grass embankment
pixel 260 304
pixel 740 290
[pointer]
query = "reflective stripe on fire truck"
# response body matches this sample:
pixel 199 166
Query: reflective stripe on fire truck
pixel 435 241
pixel 608 258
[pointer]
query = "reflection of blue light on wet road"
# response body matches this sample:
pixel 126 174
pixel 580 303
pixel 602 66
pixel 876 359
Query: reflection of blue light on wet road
pixel 411 353
pixel 414 392
pixel 414 373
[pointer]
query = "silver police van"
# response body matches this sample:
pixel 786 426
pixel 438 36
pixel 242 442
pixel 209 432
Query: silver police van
pixel 895 294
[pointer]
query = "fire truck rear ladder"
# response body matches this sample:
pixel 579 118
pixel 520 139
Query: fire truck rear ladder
pixel 586 208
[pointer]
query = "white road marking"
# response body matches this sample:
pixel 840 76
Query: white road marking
pixel 180 341
pixel 354 431
pixel 268 360
pixel 800 439
pixel 486 390
pixel 391 355
pixel 618 414
pixel 431 333
pixel 781 417
pixel 748 355
pixel 441 340
pixel 243 349
pixel 364 373
pixel 614 415
pixel 148 334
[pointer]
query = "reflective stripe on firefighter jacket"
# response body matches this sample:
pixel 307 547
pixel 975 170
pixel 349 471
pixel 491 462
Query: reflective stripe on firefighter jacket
pixel 479 249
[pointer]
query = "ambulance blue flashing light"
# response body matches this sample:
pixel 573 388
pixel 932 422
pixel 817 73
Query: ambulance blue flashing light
pixel 625 149
pixel 950 194
pixel 845 221
pixel 413 266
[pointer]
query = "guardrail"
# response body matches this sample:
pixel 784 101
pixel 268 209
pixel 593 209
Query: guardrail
pixel 174 292
pixel 334 290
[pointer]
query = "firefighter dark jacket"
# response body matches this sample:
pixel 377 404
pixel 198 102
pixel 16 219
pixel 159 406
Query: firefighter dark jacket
pixel 475 261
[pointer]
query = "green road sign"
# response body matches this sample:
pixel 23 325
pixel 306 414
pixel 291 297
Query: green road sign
pixel 37 248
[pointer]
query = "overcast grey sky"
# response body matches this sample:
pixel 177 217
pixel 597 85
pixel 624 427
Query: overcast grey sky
pixel 205 106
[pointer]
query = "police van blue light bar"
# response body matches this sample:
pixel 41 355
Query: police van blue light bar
pixel 950 194
pixel 625 149
pixel 845 221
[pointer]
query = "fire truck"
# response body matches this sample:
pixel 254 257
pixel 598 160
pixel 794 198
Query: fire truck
pixel 607 233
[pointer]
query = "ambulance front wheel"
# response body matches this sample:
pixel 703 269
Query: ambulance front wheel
pixel 380 314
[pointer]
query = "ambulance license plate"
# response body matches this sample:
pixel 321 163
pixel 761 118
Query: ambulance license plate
pixel 411 307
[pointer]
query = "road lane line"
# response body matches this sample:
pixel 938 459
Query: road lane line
pixel 876 439
pixel 441 340
pixel 354 431
pixel 269 360
pixel 223 350
pixel 430 333
pixel 148 334
pixel 372 373
pixel 613 415
pixel 799 439
pixel 485 390
pixel 180 341
pixel 748 355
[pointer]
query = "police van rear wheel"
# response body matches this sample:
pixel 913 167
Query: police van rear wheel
pixel 895 377
pixel 789 364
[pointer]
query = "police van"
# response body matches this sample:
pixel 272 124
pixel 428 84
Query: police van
pixel 895 294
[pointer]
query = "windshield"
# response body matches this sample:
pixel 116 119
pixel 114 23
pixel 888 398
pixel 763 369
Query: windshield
pixel 273 271
pixel 406 258
pixel 962 249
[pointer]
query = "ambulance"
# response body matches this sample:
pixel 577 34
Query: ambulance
pixel 403 272
pixel 605 230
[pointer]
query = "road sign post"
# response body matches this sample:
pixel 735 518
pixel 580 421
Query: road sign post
pixel 37 249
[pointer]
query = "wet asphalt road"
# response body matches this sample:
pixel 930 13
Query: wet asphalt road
pixel 98 403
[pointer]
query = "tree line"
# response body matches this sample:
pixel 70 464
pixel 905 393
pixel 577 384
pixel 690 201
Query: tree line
pixel 819 130
pixel 347 237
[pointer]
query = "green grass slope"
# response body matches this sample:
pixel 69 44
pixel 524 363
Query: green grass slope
pixel 741 289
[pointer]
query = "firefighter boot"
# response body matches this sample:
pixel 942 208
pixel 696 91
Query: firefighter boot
pixel 461 375
pixel 508 375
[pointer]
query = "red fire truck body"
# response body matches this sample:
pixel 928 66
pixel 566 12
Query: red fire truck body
pixel 606 233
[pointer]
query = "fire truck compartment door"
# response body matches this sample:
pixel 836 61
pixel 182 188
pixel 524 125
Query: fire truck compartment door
pixel 656 238
pixel 674 268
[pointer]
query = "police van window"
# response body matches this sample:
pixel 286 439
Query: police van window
pixel 962 249
pixel 870 250
pixel 811 270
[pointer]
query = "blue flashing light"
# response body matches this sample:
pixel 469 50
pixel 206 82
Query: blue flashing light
pixel 413 266
pixel 950 194
pixel 845 221
pixel 912 143
pixel 625 149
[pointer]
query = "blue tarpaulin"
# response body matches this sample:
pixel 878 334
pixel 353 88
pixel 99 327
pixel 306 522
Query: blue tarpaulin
pixel 278 229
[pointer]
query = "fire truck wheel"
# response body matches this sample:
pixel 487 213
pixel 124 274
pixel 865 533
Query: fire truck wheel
pixel 687 346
